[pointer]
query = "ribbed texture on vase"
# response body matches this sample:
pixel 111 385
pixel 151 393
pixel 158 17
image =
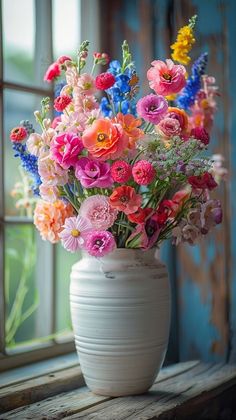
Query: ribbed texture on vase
pixel 120 308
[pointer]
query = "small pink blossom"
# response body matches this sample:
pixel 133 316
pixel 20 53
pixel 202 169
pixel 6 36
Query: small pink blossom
pixel 143 172
pixel 65 149
pixel 48 193
pixel 47 136
pixel 98 211
pixel 63 58
pixel 93 173
pixel 55 122
pixel 51 172
pixel 121 171
pixel 86 84
pixel 169 127
pixel 84 103
pixel 52 72
pixel 99 243
pixel 73 122
pixel 166 78
pixel 73 235
pixel 35 144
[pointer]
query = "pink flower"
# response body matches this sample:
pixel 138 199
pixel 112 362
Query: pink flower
pixel 73 235
pixel 65 149
pixel 166 78
pixel 144 235
pixel 86 84
pixel 48 193
pixel 51 172
pixel 63 58
pixel 93 173
pixel 98 211
pixel 55 122
pixel 152 108
pixel 104 81
pixel 84 103
pixel 73 122
pixel 201 134
pixel 61 102
pixel 169 127
pixel 125 199
pixel 35 144
pixel 143 172
pixel 121 171
pixel 99 243
pixel 52 72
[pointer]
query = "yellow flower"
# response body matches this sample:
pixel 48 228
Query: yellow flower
pixel 184 43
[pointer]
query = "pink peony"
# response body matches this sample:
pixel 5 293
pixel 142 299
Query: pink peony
pixel 73 235
pixel 152 108
pixel 143 172
pixel 169 127
pixel 98 211
pixel 166 78
pixel 93 173
pixel 52 72
pixel 65 149
pixel 121 171
pixel 99 243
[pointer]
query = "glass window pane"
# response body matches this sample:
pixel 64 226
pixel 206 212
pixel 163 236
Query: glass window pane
pixel 66 27
pixel 64 262
pixel 23 306
pixel 18 40
pixel 17 106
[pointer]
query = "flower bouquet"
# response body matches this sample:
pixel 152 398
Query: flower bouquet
pixel 113 171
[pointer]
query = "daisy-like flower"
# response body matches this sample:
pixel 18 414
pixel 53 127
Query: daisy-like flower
pixel 99 243
pixel 74 233
pixel 98 210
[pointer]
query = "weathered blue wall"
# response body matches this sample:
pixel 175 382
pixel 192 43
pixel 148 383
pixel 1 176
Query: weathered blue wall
pixel 204 277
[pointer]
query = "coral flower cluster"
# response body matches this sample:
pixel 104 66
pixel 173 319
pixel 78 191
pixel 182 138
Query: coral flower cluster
pixel 113 171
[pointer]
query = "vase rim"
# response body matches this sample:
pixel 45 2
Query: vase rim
pixel 126 253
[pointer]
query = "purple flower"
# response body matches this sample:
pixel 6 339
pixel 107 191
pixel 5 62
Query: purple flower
pixel 144 235
pixel 74 233
pixel 92 173
pixel 211 215
pixel 152 108
pixel 100 243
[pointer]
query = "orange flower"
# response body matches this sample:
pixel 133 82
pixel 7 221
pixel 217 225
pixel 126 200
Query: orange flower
pixel 49 218
pixel 125 199
pixel 105 140
pixel 180 115
pixel 130 125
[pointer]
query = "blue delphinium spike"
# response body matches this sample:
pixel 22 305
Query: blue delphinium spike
pixel 193 84
pixel 29 163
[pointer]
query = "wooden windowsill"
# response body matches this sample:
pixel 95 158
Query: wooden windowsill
pixel 186 390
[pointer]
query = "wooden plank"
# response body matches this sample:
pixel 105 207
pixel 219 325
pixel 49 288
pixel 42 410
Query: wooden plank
pixel 38 388
pixel 205 380
pixel 73 402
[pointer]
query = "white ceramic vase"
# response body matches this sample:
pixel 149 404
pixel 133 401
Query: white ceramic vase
pixel 120 308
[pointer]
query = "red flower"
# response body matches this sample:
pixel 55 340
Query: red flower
pixel 166 210
pixel 63 58
pixel 205 181
pixel 18 134
pixel 52 72
pixel 140 215
pixel 201 134
pixel 101 58
pixel 61 102
pixel 125 199
pixel 104 81
pixel 121 171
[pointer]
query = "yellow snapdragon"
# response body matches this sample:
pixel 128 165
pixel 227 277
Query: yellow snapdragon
pixel 184 43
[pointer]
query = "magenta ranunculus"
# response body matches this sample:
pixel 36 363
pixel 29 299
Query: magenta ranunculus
pixel 92 173
pixel 99 243
pixel 152 108
pixel 65 149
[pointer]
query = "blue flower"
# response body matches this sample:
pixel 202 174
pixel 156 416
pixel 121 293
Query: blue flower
pixel 29 163
pixel 193 84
